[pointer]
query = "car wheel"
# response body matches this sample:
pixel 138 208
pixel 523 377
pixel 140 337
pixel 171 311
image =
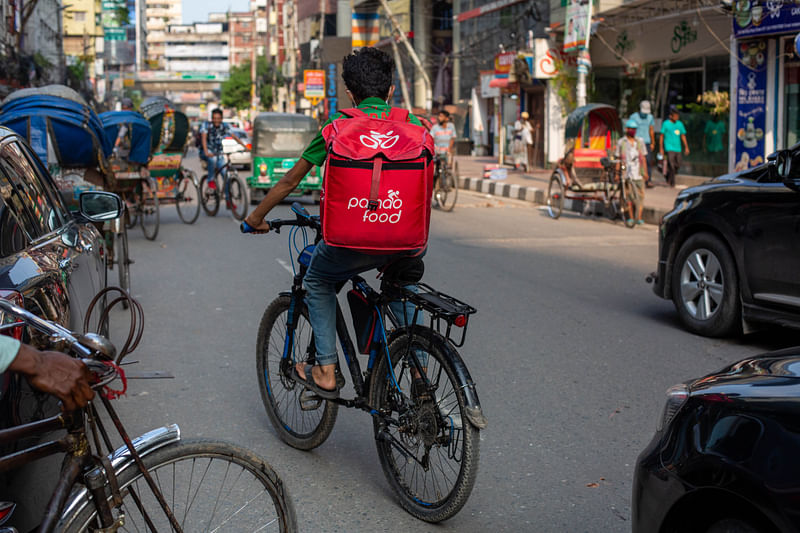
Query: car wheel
pixel 705 287
pixel 731 525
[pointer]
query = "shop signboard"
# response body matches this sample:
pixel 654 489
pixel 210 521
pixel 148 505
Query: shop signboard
pixel 314 84
pixel 751 103
pixel 751 17
pixel 577 24
pixel 503 63
pixel 487 91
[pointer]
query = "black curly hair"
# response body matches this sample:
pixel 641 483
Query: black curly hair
pixel 368 72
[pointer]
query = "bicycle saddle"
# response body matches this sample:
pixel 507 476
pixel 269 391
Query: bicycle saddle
pixel 404 271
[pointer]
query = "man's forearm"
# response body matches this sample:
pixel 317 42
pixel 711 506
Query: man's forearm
pixel 282 189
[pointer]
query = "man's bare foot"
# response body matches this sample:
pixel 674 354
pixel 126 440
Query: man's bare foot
pixel 324 376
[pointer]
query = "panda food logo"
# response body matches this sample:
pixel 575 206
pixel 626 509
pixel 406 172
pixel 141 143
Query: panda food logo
pixel 390 208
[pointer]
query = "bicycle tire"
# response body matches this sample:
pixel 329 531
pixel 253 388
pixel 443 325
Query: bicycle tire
pixel 149 214
pixel 209 198
pixel 237 196
pixel 304 430
pixel 123 261
pixel 428 503
pixel 555 197
pixel 187 197
pixel 212 463
pixel 448 188
pixel 130 217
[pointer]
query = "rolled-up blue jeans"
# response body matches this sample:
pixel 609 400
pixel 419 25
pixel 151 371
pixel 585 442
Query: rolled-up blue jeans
pixel 214 162
pixel 329 266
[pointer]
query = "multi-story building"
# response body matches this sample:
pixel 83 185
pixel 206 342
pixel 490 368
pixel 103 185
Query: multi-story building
pixel 242 37
pixel 159 15
pixel 201 47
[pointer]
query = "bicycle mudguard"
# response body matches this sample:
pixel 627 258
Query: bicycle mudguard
pixel 121 460
pixel 473 409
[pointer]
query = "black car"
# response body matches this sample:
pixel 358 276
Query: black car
pixel 51 261
pixel 729 251
pixel 725 458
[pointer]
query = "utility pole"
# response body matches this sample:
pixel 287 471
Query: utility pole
pixel 253 70
pixel 456 52
pixel 401 74
pixel 402 36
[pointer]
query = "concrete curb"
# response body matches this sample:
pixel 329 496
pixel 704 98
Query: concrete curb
pixel 652 215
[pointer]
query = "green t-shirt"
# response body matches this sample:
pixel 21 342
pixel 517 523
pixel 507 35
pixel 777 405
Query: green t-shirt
pixel 672 132
pixel 316 151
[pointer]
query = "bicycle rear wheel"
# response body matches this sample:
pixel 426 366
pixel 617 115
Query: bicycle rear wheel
pixel 148 209
pixel 187 197
pixel 208 485
pixel 237 197
pixel 427 448
pixel 209 197
pixel 447 193
pixel 300 428
pixel 555 197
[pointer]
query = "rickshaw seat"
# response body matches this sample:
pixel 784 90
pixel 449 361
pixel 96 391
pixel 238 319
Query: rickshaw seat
pixel 589 157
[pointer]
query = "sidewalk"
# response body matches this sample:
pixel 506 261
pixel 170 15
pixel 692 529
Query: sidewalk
pixel 531 186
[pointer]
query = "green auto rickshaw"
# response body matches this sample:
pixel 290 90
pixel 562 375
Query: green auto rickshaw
pixel 278 141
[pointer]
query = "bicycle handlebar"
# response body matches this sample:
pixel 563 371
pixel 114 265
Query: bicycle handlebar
pixel 303 219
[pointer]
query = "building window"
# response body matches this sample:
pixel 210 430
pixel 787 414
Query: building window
pixel 79 16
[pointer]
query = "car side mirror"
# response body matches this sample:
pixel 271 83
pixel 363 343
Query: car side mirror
pixel 99 206
pixel 786 165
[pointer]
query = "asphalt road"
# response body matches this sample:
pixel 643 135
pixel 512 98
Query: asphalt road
pixel 570 350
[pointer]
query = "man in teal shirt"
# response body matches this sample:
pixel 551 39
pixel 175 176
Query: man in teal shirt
pixel 367 73
pixel 673 135
pixel 52 372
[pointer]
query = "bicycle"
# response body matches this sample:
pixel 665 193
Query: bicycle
pixel 424 404
pixel 445 183
pixel 155 482
pixel 235 191
pixel 612 190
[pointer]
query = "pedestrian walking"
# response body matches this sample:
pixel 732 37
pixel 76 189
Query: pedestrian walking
pixel 523 142
pixel 645 130
pixel 632 153
pixel 673 136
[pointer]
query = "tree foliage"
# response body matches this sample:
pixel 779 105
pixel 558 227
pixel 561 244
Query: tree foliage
pixel 236 89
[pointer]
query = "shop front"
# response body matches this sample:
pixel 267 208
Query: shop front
pixel 765 75
pixel 677 59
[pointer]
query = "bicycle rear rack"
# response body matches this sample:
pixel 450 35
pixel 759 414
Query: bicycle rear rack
pixel 445 311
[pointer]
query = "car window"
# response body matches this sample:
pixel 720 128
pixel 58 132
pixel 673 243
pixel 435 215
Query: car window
pixel 48 184
pixel 19 170
pixel 15 226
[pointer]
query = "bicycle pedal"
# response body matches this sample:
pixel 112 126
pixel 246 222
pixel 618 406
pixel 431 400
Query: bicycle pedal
pixel 309 401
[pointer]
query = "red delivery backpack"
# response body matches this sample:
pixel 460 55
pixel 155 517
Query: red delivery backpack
pixel 376 193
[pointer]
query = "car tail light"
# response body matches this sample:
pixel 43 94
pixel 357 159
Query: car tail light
pixel 249 146
pixel 9 325
pixel 6 508
pixel 262 169
pixel 677 396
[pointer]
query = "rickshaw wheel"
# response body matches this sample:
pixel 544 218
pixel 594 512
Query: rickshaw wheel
pixel 148 209
pixel 187 197
pixel 123 262
pixel 131 217
pixel 555 197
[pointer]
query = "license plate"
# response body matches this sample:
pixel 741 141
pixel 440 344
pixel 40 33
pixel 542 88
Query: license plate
pixel 263 179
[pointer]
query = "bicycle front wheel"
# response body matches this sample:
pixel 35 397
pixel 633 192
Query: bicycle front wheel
pixel 303 425
pixel 208 485
pixel 555 197
pixel 427 448
pixel 209 197
pixel 148 209
pixel 187 197
pixel 447 193
pixel 237 197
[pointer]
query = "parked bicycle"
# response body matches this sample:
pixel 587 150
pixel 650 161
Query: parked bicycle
pixel 424 404
pixel 226 178
pixel 615 193
pixel 155 482
pixel 445 183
